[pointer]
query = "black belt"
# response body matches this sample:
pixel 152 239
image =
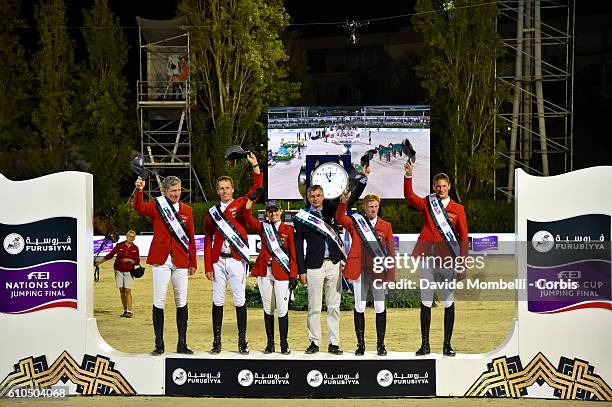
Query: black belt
pixel 226 255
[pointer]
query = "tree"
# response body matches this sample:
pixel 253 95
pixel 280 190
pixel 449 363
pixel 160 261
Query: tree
pixel 237 70
pixel 458 71
pixel 15 104
pixel 54 81
pixel 103 130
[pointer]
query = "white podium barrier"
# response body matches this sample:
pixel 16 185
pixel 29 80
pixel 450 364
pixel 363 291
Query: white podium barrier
pixel 556 349
pixel 46 301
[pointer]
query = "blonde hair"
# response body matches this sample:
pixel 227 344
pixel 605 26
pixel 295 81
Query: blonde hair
pixel 440 176
pixel 131 232
pixel 224 178
pixel 371 197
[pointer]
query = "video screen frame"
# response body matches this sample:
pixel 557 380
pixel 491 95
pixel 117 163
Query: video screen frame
pixel 295 132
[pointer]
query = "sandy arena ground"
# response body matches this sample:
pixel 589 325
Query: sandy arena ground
pixel 481 325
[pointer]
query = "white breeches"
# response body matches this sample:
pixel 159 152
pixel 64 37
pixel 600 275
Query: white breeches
pixel 274 294
pixel 228 269
pixel 361 287
pixel 447 297
pixel 162 274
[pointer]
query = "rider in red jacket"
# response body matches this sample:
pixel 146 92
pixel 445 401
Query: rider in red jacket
pixel 360 267
pixel 431 242
pixel 273 278
pixel 172 254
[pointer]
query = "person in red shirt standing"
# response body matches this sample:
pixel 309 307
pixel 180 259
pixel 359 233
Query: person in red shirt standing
pixel 371 236
pixel 226 253
pixel 444 234
pixel 127 258
pixel 275 269
pixel 178 80
pixel 172 255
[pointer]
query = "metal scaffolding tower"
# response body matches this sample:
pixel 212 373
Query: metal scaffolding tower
pixel 538 36
pixel 164 105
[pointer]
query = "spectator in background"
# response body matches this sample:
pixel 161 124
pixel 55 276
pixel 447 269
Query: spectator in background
pixel 178 79
pixel 127 258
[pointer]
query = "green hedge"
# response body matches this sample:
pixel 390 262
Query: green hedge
pixel 483 216
pixel 490 216
pixel 395 299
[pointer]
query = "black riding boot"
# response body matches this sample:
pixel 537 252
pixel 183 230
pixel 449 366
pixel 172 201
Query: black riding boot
pixel 359 320
pixel 217 319
pixel 158 328
pixel 269 323
pixel 241 320
pixel 381 328
pixel 425 323
pixel 283 327
pixel 449 323
pixel 182 314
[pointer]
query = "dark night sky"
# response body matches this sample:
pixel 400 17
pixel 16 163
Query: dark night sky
pixel 299 10
pixel 590 117
pixel 593 50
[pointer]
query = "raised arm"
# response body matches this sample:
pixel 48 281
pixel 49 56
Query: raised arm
pixel 253 223
pixel 361 185
pixel 411 197
pixel 138 202
pixel 343 219
pixel 257 175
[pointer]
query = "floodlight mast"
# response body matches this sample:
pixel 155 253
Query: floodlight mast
pixel 538 129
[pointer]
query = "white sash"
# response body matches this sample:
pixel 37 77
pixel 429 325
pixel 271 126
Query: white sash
pixel 273 243
pixel 171 219
pixel 229 232
pixel 314 222
pixel 443 224
pixel 368 235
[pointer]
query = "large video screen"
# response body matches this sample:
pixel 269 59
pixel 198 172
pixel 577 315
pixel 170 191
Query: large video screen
pixel 297 132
